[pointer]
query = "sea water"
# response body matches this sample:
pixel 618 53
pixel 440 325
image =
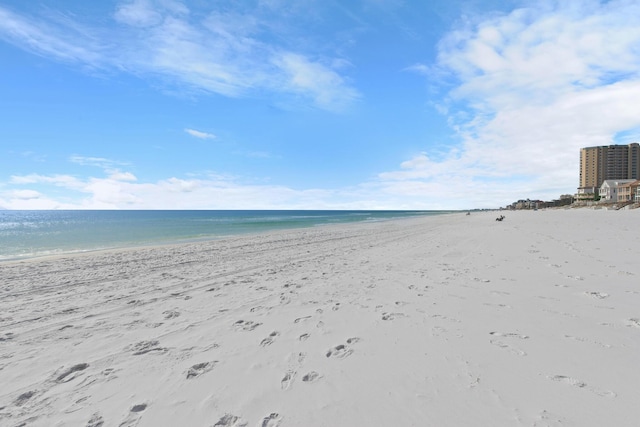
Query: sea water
pixel 27 234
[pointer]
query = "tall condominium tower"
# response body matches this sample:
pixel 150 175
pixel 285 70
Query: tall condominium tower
pixel 608 162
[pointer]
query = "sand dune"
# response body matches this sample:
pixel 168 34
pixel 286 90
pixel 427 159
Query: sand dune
pixel 452 320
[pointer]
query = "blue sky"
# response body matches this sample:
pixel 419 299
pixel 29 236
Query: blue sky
pixel 309 104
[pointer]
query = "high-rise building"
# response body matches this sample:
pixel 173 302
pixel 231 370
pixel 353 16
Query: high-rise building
pixel 598 164
pixel 634 161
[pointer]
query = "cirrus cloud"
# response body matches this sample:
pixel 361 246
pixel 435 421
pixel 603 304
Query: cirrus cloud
pixel 205 52
pixel 199 134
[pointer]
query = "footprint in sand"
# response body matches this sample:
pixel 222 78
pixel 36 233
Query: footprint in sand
pixel 311 377
pixel 229 420
pixel 133 418
pixel 246 325
pixel 286 381
pixel 581 384
pixel 22 399
pixel 71 373
pixel 269 340
pixel 597 295
pixel 139 408
pixel 302 319
pixel 171 314
pixel 200 369
pixel 634 322
pixel 7 336
pixel 506 346
pixel 271 420
pixel 391 316
pixel 509 335
pixel 144 347
pixel 340 351
pixel 304 337
pixel 284 300
pixel 95 420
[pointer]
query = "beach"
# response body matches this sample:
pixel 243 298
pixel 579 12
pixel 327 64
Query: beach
pixel 450 320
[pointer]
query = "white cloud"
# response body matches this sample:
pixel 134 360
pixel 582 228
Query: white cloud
pixel 139 13
pixel 100 162
pixel 176 185
pixel 66 181
pixel 420 69
pixel 109 194
pixel 27 199
pixel 221 192
pixel 313 79
pixel 200 134
pixel 47 38
pixel 209 51
pixel 111 167
pixel 122 176
pixel 24 194
pixel 41 203
pixel 529 89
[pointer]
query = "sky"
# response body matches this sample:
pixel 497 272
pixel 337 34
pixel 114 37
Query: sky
pixel 309 104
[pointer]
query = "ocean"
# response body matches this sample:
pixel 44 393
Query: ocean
pixel 29 234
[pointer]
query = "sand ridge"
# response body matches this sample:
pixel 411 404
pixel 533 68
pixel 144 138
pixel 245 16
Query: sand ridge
pixel 451 320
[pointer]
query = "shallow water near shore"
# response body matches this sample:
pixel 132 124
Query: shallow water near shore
pixel 27 234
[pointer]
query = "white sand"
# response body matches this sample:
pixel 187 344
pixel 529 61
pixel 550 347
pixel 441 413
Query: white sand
pixel 443 321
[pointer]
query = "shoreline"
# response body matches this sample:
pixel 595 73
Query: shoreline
pixel 220 234
pixel 205 240
pixel 441 320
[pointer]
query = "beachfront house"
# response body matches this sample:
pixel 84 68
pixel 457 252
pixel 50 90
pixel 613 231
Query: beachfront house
pixel 609 189
pixel 628 192
pixel 586 194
